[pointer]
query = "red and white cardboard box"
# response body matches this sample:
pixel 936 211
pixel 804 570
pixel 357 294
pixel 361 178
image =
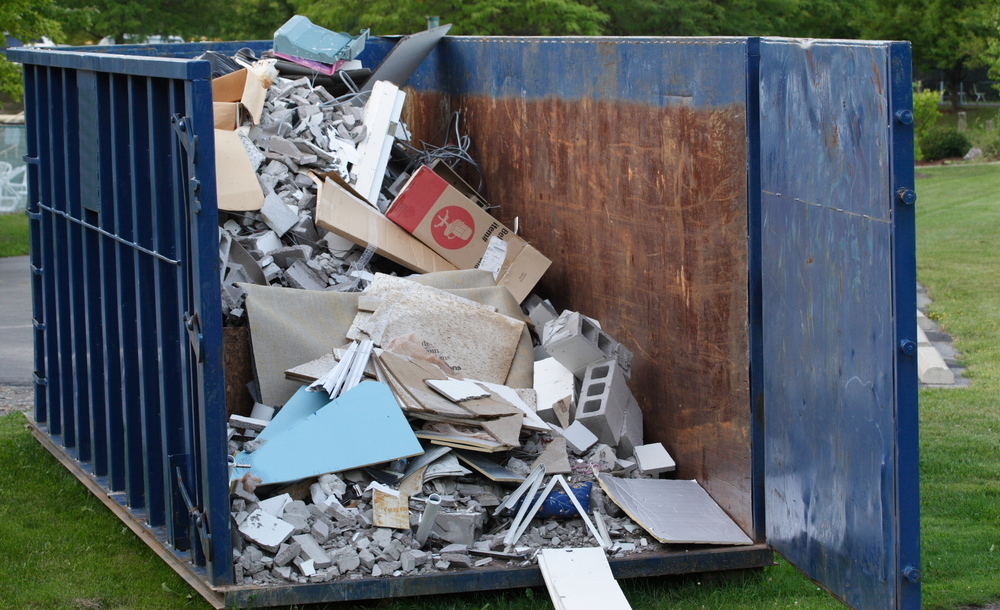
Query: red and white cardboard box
pixel 452 225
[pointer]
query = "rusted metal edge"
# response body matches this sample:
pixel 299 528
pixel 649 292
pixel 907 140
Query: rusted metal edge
pixel 711 559
pixel 213 597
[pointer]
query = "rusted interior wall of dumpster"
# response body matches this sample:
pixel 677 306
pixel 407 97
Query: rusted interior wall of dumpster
pixel 643 211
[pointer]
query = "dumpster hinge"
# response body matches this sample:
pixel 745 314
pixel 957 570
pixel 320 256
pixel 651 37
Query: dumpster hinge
pixel 36 270
pixel 185 132
pixel 193 326
pixel 196 515
pixel 33 215
pixel 30 160
pixel 40 380
pixel 38 325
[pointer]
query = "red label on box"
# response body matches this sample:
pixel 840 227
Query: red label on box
pixel 453 227
pixel 412 205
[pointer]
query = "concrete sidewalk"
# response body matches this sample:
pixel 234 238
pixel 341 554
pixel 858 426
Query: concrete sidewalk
pixel 16 343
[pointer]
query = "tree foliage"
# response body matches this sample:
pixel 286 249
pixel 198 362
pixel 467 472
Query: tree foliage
pixel 30 20
pixel 138 19
pixel 482 17
pixel 947 35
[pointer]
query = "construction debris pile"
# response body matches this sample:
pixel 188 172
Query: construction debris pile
pixel 448 420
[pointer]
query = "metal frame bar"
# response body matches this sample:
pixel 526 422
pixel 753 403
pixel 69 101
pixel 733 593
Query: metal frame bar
pixel 755 290
pixel 905 312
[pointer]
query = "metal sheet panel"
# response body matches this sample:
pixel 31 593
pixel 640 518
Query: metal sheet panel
pixel 625 161
pixel 829 312
pixel 124 240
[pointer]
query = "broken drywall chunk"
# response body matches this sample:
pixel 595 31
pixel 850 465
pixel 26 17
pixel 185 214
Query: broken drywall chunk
pixel 265 530
pixel 392 511
pixel 457 390
pixel 579 438
pixel 581 578
pixel 554 457
pixel 653 459
pixel 556 388
pixel 275 506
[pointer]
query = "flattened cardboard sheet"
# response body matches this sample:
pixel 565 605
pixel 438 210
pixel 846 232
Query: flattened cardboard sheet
pixel 235 180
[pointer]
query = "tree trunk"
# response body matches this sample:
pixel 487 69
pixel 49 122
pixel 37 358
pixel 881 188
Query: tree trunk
pixel 954 76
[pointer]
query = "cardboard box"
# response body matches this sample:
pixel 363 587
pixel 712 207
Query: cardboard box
pixel 452 225
pixel 237 189
pixel 346 215
pixel 236 181
pixel 243 87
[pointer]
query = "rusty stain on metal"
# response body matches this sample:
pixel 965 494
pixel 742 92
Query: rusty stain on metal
pixel 643 212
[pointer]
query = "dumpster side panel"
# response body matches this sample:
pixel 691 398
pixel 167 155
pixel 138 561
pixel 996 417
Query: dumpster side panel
pixel 828 315
pixel 625 162
pixel 124 249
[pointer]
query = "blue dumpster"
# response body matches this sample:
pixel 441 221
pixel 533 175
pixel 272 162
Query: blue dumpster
pixel 739 211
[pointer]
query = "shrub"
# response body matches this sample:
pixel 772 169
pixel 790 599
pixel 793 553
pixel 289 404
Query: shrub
pixel 942 143
pixel 925 115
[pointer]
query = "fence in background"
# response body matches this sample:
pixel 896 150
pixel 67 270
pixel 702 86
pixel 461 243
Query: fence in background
pixel 13 171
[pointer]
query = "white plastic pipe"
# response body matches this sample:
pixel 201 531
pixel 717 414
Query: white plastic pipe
pixel 427 520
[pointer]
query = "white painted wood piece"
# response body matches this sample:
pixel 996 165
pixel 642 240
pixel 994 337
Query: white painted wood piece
pixel 581 579
pixel 382 110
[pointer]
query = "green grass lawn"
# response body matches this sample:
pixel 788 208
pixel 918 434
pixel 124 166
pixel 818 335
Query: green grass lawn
pixel 13 235
pixel 958 229
pixel 60 548
pixel 974 115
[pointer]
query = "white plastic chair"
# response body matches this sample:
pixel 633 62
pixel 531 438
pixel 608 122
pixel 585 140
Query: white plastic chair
pixel 980 95
pixel 13 187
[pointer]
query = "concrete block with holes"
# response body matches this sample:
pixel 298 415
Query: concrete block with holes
pixel 604 398
pixel 577 341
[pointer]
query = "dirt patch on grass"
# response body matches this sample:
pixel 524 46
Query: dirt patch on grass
pixel 16 398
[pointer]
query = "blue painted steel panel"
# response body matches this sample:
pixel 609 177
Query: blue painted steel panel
pixel 827 250
pixel 905 302
pixel 657 72
pixel 124 244
pixel 833 99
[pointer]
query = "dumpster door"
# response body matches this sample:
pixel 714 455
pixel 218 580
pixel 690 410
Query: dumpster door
pixel 838 316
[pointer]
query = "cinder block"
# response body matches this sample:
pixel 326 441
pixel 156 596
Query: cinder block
pixel 538 311
pixel 284 257
pixel 576 342
pixel 603 400
pixel 313 551
pixel 278 216
pixel 299 275
pixel 631 436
